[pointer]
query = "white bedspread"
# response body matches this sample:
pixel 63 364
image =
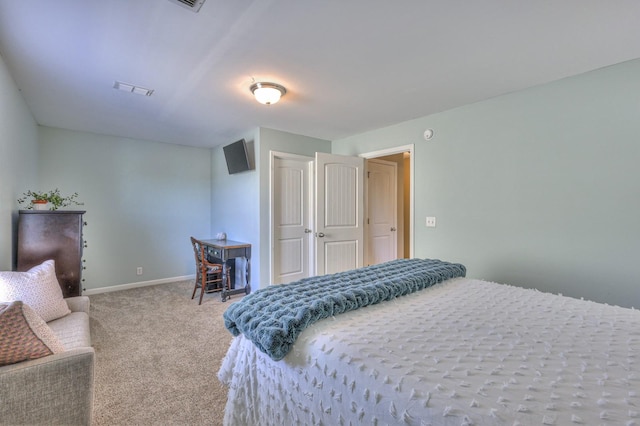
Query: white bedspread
pixel 465 352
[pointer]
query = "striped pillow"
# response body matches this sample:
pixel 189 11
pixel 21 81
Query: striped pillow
pixel 24 335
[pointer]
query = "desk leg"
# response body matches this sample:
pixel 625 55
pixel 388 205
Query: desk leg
pixel 247 286
pixel 223 293
pixel 226 293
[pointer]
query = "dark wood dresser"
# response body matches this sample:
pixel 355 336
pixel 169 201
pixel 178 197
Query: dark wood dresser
pixel 57 235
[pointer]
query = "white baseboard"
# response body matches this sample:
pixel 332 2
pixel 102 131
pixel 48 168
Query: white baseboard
pixel 119 287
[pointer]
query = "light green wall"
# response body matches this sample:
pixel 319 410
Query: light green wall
pixel 18 160
pixel 539 188
pixel 143 201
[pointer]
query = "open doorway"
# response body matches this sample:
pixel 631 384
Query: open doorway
pixel 388 204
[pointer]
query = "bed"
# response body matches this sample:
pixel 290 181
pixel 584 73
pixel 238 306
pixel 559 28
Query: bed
pixel 457 352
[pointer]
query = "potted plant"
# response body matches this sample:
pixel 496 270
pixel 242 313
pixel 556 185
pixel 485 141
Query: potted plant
pixel 35 200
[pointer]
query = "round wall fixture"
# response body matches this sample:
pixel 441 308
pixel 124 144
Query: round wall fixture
pixel 428 134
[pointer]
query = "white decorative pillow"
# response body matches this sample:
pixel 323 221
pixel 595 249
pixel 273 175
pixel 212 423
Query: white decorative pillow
pixel 38 288
pixel 24 335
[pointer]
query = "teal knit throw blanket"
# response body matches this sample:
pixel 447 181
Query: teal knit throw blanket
pixel 273 317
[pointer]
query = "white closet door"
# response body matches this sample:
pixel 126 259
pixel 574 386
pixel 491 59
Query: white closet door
pixel 291 225
pixel 339 231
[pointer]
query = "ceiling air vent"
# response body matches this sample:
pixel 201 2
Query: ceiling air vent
pixel 193 5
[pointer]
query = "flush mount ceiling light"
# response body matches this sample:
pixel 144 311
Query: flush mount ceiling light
pixel 267 93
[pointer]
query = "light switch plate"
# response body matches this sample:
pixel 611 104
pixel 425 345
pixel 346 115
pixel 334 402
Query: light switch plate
pixel 431 222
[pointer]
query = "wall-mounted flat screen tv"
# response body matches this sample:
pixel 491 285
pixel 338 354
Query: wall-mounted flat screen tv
pixel 237 157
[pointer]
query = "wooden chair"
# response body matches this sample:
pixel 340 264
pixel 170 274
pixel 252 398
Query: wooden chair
pixel 208 275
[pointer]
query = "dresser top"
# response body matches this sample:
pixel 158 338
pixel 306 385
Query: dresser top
pixel 225 244
pixel 52 211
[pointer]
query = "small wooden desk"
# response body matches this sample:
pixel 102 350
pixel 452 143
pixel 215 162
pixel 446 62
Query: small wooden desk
pixel 223 250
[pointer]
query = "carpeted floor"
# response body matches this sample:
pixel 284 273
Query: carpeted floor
pixel 157 356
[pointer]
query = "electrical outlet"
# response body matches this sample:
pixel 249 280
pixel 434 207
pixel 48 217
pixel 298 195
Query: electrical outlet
pixel 431 222
pixel 139 270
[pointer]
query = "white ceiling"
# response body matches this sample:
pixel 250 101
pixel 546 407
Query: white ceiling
pixel 349 65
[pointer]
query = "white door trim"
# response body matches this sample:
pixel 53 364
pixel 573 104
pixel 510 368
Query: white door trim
pixel 398 150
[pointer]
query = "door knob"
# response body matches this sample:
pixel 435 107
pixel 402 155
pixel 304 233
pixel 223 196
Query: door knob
pixel 393 229
pixel 320 234
pixel 307 231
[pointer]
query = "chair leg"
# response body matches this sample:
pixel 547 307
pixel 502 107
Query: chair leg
pixel 202 286
pixel 195 284
pixel 201 295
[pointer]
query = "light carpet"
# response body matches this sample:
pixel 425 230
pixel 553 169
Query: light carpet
pixel 157 356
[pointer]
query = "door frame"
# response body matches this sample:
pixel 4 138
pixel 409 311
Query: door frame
pixel 273 155
pixel 398 150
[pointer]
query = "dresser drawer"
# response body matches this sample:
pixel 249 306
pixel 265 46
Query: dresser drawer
pixel 214 252
pixel 236 252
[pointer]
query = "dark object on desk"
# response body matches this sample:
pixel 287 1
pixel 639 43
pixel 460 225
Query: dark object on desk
pixel 57 235
pixel 209 275
pixel 223 250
